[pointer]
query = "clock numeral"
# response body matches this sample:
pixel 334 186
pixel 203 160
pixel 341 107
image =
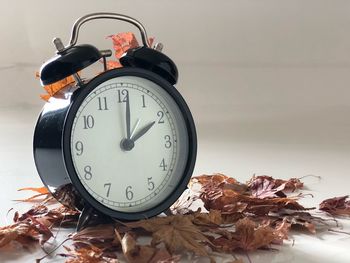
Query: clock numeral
pixel 167 141
pixel 88 174
pixel 108 186
pixel 79 147
pixel 102 103
pixel 150 184
pixel 160 114
pixel 163 165
pixel 89 122
pixel 143 101
pixel 128 193
pixel 123 95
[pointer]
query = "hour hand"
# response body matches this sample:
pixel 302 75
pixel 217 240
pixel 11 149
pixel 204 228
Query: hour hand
pixel 142 132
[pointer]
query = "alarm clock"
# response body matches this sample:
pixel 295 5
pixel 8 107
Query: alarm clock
pixel 122 144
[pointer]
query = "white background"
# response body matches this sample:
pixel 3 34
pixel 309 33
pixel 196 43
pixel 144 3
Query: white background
pixel 268 83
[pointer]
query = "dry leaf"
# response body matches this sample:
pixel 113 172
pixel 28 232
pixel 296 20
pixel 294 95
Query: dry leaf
pixel 237 261
pixel 247 236
pixel 43 194
pixel 336 206
pixel 240 217
pixel 135 253
pixel 90 254
pixel 178 233
pixel 303 220
pixel 54 88
pixel 220 181
pixel 58 216
pixel 41 190
pixel 265 187
pixel 278 187
pixel 25 232
pixel 101 236
pixel 213 218
pixel 121 43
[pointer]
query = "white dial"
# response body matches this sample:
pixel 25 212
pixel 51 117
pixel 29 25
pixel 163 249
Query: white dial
pixel 129 144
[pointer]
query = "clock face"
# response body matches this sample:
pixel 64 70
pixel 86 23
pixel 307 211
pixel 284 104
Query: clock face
pixel 129 144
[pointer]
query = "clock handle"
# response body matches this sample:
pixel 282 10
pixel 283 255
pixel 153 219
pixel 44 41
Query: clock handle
pixel 102 15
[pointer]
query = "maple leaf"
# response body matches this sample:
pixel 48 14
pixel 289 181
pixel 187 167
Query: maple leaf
pixel 231 202
pixel 184 203
pixel 221 181
pixel 41 190
pixel 247 236
pixel 264 186
pixel 101 236
pixel 24 232
pixel 43 194
pixel 12 232
pixel 213 218
pixel 121 43
pixel 177 232
pixel 90 254
pixel 336 206
pixel 54 88
pixel 135 253
pixel 297 220
pixel 237 261
pixel 60 215
pixel 233 199
pixel 252 238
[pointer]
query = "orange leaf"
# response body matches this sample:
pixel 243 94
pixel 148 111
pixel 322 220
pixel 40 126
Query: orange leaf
pixel 41 190
pixel 54 88
pixel 121 43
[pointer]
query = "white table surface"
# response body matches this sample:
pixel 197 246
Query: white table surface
pixel 222 148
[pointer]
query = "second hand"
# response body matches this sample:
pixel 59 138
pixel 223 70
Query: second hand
pixel 135 128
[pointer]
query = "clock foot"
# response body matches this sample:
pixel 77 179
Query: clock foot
pixel 168 212
pixel 89 217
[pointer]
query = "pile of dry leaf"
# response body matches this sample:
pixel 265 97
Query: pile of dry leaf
pixel 234 217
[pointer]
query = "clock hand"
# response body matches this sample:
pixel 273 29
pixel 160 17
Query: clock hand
pixel 127 117
pixel 136 125
pixel 142 132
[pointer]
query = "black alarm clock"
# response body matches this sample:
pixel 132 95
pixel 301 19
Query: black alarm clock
pixel 122 144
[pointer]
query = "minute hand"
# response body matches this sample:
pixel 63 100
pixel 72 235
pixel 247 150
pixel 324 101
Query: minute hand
pixel 142 132
pixel 127 117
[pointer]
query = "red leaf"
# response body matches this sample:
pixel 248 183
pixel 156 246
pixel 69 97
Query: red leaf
pixel 337 206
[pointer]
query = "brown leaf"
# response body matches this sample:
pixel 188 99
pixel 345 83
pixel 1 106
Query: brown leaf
pixel 300 220
pixel 57 216
pixel 213 218
pixel 278 187
pixel 43 194
pixel 266 187
pixel 225 194
pixel 247 236
pixel 237 261
pixel 252 238
pixel 135 253
pixel 24 232
pixel 336 206
pixel 89 254
pixel 12 232
pixel 220 181
pixel 231 202
pixel 101 236
pixel 177 232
